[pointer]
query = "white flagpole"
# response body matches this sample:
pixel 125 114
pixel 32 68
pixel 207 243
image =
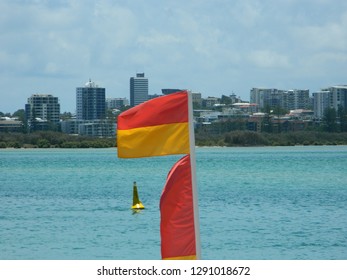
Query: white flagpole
pixel 193 170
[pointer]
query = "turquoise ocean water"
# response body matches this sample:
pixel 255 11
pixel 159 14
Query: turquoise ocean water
pixel 255 203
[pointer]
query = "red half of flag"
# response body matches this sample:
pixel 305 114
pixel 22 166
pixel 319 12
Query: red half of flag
pixel 177 213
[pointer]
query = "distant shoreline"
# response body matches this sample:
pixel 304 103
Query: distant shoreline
pixel 56 140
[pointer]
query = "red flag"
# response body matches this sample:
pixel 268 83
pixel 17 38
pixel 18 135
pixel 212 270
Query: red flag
pixel 177 213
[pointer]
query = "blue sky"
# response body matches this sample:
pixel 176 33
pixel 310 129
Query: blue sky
pixel 210 46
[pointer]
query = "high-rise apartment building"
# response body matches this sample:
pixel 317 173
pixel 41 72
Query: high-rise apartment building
pixel 320 102
pixel 285 99
pixel 90 102
pixel 296 99
pixel 42 112
pixel 138 89
pixel 338 96
pixel 265 97
pixel 331 97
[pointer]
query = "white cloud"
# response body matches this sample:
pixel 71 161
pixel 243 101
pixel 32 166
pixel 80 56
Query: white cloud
pixel 332 35
pixel 113 24
pixel 155 39
pixel 321 64
pixel 247 12
pixel 268 59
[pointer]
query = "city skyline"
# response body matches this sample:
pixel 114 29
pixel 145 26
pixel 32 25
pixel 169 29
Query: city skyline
pixel 250 99
pixel 213 47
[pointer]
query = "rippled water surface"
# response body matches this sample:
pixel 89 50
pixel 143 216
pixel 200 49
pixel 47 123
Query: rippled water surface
pixel 255 203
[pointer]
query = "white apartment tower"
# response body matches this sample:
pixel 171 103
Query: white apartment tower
pixel 42 110
pixel 320 102
pixel 331 97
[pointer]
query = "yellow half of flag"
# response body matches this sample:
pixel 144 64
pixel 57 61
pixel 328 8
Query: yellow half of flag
pixel 156 140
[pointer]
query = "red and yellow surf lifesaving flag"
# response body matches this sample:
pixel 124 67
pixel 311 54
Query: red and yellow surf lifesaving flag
pixel 177 227
pixel 155 128
pixel 158 127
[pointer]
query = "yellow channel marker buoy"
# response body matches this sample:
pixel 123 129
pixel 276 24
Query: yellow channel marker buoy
pixel 137 204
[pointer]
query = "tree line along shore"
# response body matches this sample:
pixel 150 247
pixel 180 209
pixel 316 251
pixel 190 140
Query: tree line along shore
pixel 51 139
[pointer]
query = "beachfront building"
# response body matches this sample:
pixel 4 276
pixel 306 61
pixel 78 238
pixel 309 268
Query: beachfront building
pixel 331 97
pixel 90 102
pixel 116 103
pixel 264 97
pixel 295 99
pixel 285 99
pixel 138 89
pixel 210 101
pixel 42 112
pixel 320 103
pixel 90 113
pixel 197 99
pixel 95 128
pixel 338 96
pixel 8 124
